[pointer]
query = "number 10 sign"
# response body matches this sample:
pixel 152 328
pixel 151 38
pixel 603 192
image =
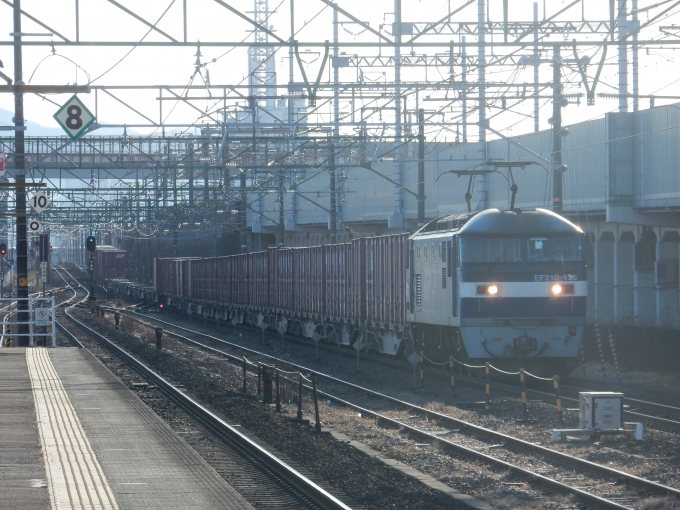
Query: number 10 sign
pixel 74 117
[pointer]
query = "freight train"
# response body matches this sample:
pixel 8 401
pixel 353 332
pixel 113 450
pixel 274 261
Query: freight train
pixel 110 262
pixel 505 287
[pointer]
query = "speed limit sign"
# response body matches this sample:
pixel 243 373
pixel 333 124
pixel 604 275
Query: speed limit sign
pixel 39 202
pixel 33 226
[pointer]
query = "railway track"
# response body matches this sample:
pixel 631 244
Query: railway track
pixel 651 414
pixel 556 472
pixel 261 477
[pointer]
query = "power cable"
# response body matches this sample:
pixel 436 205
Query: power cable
pixel 134 47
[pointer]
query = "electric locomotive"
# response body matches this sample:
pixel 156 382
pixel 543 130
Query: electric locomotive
pixel 505 287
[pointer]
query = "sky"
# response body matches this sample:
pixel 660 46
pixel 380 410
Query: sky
pixel 210 22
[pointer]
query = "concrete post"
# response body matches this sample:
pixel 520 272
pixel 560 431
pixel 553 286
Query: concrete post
pixel 624 257
pixel 644 291
pixel 604 277
pixel 666 280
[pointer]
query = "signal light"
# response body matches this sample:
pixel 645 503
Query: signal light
pixel 3 249
pixel 44 247
pixel 91 243
pixel 161 306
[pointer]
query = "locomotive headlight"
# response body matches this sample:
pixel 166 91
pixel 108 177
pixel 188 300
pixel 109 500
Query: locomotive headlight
pixel 561 289
pixel 489 290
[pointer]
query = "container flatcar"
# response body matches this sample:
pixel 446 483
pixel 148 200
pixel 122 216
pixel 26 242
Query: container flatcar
pixel 111 262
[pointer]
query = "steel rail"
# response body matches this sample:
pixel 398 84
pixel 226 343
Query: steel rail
pixel 222 428
pixel 576 462
pixel 532 476
pixel 72 338
pixel 650 420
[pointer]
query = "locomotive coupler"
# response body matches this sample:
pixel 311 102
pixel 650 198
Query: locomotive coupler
pixel 524 344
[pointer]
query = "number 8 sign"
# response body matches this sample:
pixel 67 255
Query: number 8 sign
pixel 74 117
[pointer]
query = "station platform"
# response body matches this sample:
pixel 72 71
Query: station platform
pixel 73 436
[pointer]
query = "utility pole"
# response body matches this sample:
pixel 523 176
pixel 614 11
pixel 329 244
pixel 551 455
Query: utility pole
pixel 558 102
pixel 282 210
pixel 481 69
pixel 20 194
pixel 333 220
pixel 622 26
pixel 396 219
pixel 634 50
pixel 242 211
pixel 536 64
pixel 421 167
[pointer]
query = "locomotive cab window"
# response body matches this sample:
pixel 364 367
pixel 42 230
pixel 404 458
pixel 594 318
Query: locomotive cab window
pixel 496 251
pixel 555 249
pixel 490 250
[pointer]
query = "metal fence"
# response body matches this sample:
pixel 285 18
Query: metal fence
pixel 42 321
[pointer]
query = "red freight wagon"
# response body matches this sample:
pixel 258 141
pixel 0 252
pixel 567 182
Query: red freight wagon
pixel 282 276
pixel 202 275
pixel 198 278
pixel 112 262
pixel 356 293
pixel 160 276
pixel 242 278
pixel 338 281
pixel 220 278
pixel 256 274
pixel 232 289
pixel 184 278
pixel 165 277
pixel 386 281
pixel 361 283
pixel 308 285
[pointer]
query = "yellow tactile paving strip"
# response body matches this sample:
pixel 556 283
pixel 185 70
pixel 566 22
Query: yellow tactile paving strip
pixel 74 477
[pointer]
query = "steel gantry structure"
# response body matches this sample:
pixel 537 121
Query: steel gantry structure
pixel 231 151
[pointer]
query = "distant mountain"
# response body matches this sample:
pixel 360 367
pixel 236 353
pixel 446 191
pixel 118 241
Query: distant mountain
pixel 33 129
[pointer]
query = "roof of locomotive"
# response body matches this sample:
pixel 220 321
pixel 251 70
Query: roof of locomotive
pixel 493 221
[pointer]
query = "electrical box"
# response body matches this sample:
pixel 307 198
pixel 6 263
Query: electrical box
pixel 600 410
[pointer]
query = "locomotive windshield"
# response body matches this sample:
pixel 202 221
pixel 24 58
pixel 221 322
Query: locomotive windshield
pixel 500 250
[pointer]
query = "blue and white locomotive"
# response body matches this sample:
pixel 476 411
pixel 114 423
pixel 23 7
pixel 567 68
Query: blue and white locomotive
pixel 507 287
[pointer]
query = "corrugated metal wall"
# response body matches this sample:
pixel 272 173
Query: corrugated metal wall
pixel 366 196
